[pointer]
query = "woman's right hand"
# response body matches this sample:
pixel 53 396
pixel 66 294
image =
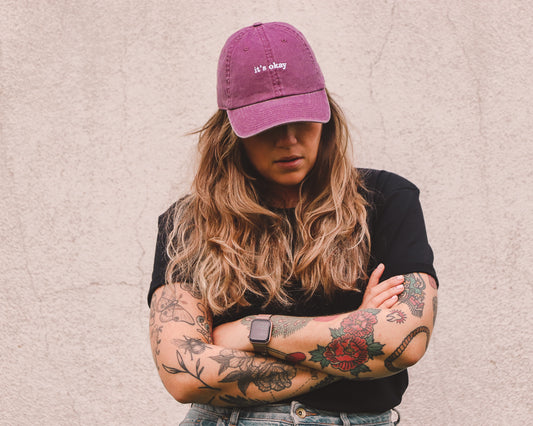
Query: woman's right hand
pixel 382 295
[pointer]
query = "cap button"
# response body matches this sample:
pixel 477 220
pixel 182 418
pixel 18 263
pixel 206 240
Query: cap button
pixel 258 24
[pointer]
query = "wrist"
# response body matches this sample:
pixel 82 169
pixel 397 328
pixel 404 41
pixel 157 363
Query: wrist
pixel 260 333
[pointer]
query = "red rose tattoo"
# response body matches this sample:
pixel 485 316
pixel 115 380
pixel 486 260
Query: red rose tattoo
pixel 347 352
pixel 352 344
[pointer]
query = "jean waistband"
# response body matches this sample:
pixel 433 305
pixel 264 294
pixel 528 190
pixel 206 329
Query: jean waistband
pixel 294 413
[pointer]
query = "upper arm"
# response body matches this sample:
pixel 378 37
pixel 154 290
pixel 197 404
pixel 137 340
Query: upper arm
pixel 178 320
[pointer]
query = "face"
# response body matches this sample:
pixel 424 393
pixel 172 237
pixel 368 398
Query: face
pixel 284 155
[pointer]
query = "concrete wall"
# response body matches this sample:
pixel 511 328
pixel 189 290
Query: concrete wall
pixel 96 100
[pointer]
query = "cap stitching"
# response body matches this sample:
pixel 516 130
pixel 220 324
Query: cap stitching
pixel 231 48
pixel 305 45
pixel 274 77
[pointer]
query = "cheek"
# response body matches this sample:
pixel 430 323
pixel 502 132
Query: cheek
pixel 255 154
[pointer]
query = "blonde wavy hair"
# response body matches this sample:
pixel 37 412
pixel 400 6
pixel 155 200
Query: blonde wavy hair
pixel 225 241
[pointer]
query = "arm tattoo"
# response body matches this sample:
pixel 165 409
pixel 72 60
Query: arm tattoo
pixel 282 326
pixel 184 369
pixel 352 344
pixel 435 305
pixel 266 375
pixel 293 358
pixel 400 349
pixel 396 316
pixel 324 382
pixel 413 295
pixel 191 345
pixel 170 307
pixel 285 326
pixel 204 322
pixel 155 332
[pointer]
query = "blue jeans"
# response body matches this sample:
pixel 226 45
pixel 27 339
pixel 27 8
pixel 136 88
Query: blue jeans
pixel 281 414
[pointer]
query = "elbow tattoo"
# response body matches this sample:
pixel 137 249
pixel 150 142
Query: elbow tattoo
pixel 352 344
pixel 403 346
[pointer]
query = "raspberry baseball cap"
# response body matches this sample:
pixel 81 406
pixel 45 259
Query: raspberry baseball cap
pixel 268 76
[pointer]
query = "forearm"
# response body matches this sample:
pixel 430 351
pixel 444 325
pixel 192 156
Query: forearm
pixel 363 344
pixel 358 345
pixel 193 369
pixel 215 375
pixel 368 343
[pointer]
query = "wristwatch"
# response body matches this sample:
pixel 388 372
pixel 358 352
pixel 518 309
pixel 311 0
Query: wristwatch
pixel 260 332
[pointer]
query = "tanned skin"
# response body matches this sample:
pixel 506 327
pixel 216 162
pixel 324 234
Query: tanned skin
pixel 363 344
pixel 199 364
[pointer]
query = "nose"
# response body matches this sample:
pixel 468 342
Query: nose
pixel 286 136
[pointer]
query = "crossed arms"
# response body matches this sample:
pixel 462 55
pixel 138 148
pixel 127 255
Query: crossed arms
pixel 218 367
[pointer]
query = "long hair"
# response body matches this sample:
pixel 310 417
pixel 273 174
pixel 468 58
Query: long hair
pixel 226 242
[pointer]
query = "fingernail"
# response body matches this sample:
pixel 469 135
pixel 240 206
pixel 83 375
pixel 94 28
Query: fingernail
pixel 381 266
pixel 400 287
pixel 399 278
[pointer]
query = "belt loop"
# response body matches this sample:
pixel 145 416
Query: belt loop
pixel 345 419
pixel 234 418
pixel 294 406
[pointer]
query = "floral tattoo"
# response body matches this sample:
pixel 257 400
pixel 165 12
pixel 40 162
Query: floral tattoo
pixel 352 345
pixel 196 373
pixel 267 376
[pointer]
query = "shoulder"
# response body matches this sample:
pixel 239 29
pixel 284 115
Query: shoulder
pixel 176 209
pixel 384 182
pixel 165 223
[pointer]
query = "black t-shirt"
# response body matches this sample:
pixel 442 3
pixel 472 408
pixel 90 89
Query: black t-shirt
pixel 398 240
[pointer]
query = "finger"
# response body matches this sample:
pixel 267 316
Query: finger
pixel 389 303
pixel 384 296
pixel 375 276
pixel 388 284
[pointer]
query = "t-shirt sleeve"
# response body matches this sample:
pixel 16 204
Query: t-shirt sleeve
pixel 400 241
pixel 161 258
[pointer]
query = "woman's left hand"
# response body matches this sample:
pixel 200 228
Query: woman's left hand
pixel 234 335
pixel 384 294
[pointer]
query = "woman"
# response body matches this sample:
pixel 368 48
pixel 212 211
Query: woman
pixel 269 312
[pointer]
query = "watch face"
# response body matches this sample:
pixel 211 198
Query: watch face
pixel 260 331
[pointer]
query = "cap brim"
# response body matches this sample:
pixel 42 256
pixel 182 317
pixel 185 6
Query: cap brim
pixel 253 119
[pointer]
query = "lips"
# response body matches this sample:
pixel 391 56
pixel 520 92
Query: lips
pixel 288 159
pixel 290 163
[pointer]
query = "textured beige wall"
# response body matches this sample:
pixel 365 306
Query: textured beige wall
pixel 96 98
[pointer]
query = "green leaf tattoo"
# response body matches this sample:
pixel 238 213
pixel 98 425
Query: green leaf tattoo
pixel 184 369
